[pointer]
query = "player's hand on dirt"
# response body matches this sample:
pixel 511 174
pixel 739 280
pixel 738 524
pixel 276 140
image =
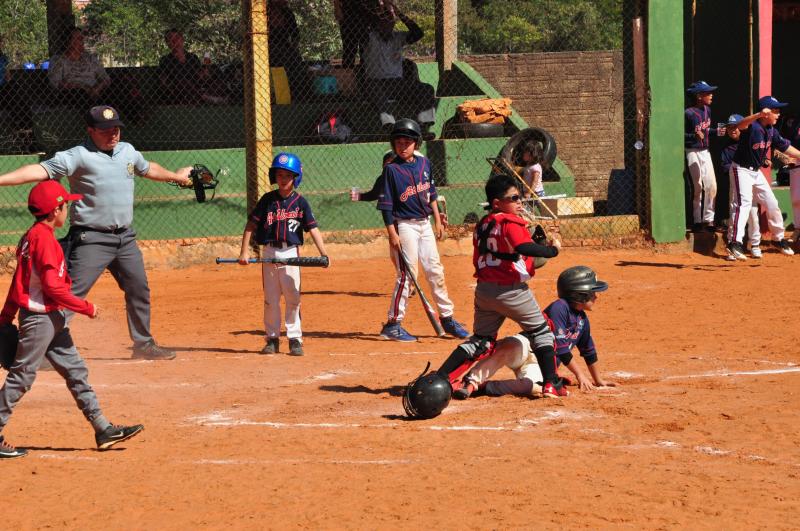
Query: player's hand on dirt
pixel 605 383
pixel 183 176
pixel 584 384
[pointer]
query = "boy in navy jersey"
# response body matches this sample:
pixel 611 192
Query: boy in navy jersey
pixel 278 221
pixel 40 291
pixel 407 200
pixel 577 290
pixel 503 259
pixel 697 120
pixel 758 137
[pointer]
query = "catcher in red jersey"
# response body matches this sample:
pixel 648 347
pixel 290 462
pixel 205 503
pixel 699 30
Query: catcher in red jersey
pixel 503 260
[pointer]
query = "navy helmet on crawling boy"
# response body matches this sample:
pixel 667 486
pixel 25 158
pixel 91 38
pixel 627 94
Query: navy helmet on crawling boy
pixel 289 162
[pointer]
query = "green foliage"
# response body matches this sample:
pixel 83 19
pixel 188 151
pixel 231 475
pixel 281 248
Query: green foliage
pixel 510 26
pixel 23 24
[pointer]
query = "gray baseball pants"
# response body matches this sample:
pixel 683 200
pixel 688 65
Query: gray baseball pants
pixel 92 252
pixel 46 334
pixel 494 303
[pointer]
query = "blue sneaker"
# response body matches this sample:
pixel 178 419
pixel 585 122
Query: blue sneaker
pixel 396 332
pixel 453 327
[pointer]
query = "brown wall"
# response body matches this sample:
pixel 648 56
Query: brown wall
pixel 577 97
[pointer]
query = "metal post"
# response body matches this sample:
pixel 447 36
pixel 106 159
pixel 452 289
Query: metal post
pixel 257 110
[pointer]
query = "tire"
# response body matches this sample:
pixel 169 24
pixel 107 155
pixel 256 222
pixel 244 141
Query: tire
pixel 511 153
pixel 468 130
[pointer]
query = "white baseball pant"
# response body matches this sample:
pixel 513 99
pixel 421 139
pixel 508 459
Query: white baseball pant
pixel 746 184
pixel 280 279
pixel 419 244
pixel 704 184
pixel 515 353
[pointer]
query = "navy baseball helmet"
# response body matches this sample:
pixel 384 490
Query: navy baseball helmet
pixel 406 127
pixel 769 102
pixel 698 87
pixel 289 162
pixel 427 396
pixel 576 284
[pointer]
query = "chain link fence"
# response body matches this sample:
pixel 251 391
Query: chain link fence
pixel 340 72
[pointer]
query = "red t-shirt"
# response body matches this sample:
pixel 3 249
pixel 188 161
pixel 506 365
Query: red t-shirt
pixel 508 232
pixel 41 283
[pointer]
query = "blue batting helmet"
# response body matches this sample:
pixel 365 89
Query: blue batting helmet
pixel 289 162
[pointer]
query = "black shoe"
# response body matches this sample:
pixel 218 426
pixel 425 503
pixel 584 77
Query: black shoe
pixel 9 452
pixel 295 347
pixel 271 347
pixel 116 434
pixel 736 251
pixel 464 392
pixel 151 351
pixel 697 227
pixel 785 247
pixel 709 228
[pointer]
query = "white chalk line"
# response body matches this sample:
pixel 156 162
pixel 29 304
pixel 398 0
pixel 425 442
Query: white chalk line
pixel 710 451
pixel 247 462
pixel 405 353
pixel 725 374
pixel 67 457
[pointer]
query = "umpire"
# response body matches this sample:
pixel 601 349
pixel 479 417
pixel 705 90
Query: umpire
pixel 100 237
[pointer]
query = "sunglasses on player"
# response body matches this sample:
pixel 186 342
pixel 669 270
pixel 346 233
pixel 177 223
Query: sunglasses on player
pixel 512 198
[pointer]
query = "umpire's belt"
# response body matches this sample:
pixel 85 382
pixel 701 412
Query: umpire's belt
pixel 118 230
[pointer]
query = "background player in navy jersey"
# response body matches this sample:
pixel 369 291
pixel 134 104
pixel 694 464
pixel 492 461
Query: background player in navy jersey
pixel 577 290
pixel 407 200
pixel 793 135
pixel 733 134
pixel 758 137
pixel 502 257
pixel 697 119
pixel 278 221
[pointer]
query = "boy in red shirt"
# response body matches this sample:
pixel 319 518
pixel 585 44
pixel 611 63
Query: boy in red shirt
pixel 503 259
pixel 40 290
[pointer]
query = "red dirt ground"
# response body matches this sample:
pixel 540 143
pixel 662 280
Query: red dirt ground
pixel 702 433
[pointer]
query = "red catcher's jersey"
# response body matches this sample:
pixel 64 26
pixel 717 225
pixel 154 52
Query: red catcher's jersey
pixel 507 233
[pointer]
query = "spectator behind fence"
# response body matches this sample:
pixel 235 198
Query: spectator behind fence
pixel 356 18
pixel 284 48
pixel 81 81
pixel 383 68
pixel 181 75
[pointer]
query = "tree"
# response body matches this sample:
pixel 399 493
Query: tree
pixel 24 25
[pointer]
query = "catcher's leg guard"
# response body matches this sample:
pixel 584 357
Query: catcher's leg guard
pixel 545 355
pixel 465 355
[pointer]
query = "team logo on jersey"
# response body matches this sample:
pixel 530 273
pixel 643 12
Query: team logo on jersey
pixel 410 191
pixel 130 168
pixel 283 214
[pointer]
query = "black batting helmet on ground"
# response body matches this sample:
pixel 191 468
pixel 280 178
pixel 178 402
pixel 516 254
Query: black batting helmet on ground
pixel 406 127
pixel 427 396
pixel 576 284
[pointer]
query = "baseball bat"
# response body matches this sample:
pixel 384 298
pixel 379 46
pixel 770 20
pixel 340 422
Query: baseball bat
pixel 426 305
pixel 302 261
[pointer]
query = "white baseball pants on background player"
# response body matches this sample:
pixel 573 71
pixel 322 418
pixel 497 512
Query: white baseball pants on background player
pixel 704 184
pixel 515 353
pixel 754 227
pixel 419 244
pixel 279 279
pixel 747 183
pixel 794 190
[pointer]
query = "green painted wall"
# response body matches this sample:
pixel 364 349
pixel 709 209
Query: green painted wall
pixel 665 76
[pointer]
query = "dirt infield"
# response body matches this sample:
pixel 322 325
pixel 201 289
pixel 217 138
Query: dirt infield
pixel 703 432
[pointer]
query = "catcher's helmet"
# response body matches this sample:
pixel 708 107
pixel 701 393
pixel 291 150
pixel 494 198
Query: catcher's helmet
pixel 287 161
pixel 576 284
pixel 406 127
pixel 427 396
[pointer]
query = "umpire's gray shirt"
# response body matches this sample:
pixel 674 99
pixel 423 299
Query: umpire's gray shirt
pixel 106 183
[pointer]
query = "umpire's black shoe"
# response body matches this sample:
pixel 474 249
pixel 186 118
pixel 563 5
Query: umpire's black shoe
pixel 272 346
pixel 151 351
pixel 9 452
pixel 116 434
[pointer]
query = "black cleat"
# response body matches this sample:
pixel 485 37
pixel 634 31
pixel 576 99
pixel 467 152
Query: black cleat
pixel 295 347
pixel 271 347
pixel 116 434
pixel 9 452
pixel 151 351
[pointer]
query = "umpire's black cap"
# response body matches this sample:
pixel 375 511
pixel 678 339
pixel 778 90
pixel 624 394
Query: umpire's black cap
pixel 103 117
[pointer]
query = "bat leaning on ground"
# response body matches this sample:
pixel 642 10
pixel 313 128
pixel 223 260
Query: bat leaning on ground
pixel 426 305
pixel 302 261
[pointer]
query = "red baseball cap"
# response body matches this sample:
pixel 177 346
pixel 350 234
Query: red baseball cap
pixel 47 195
